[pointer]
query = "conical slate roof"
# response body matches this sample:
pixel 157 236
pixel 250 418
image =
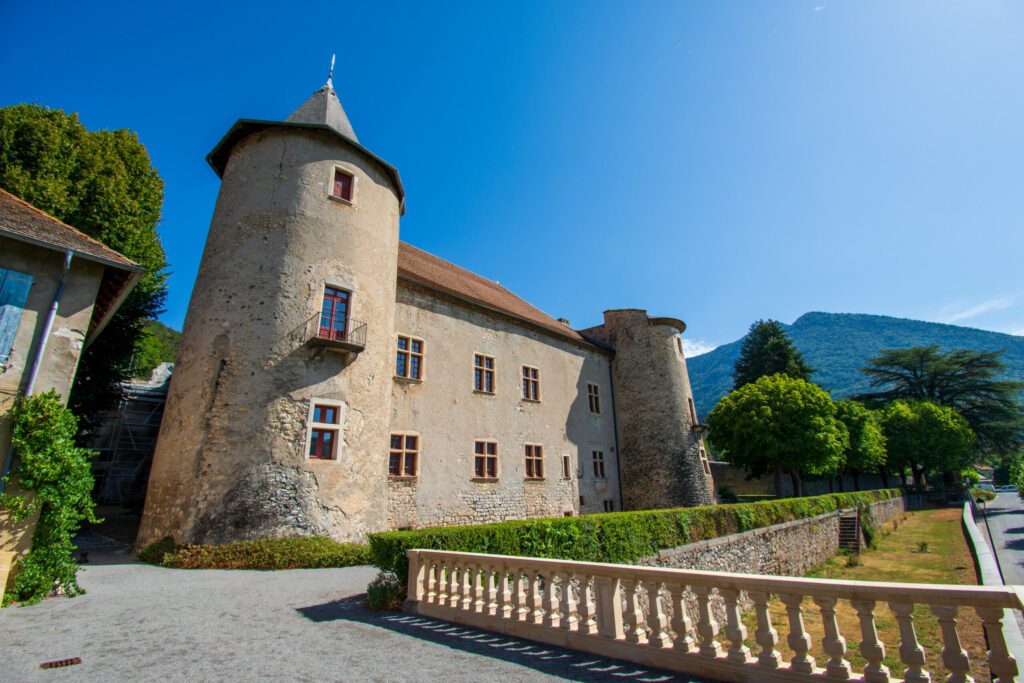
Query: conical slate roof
pixel 324 108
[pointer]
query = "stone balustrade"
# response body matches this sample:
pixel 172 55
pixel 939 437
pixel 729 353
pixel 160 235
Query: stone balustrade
pixel 663 617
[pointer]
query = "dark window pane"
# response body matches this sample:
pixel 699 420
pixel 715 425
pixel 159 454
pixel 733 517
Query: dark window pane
pixel 479 467
pixel 396 441
pixel 492 448
pixel 410 464
pixel 417 346
pixel 410 443
pixel 394 464
pixel 479 446
pixel 403 343
pixel 492 467
pixel 400 364
pixel 414 369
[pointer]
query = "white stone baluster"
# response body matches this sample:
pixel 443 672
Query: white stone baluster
pixel 657 621
pixel 552 608
pixel 588 607
pixel 911 651
pixel 469 578
pixel 608 599
pixel 954 657
pixel 634 613
pixel 479 588
pixel 519 595
pixel 535 603
pixel 493 582
pixel 569 620
pixel 433 575
pixel 707 627
pixel 1002 663
pixel 417 577
pixel 735 631
pixel 798 639
pixel 682 627
pixel 871 648
pixel 454 584
pixel 505 588
pixel 833 642
pixel 765 635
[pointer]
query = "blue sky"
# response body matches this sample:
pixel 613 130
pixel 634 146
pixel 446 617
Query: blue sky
pixel 714 161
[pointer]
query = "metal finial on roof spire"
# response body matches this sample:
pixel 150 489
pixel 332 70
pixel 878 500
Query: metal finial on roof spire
pixel 330 75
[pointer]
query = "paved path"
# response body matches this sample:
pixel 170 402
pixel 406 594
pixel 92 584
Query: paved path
pixel 139 622
pixel 1005 518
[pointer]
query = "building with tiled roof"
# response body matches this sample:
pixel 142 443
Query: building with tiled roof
pixel 334 380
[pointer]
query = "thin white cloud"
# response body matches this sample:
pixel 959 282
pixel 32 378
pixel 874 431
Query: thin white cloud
pixel 697 347
pixel 956 312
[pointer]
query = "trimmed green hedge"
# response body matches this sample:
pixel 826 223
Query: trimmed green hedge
pixel 308 552
pixel 617 537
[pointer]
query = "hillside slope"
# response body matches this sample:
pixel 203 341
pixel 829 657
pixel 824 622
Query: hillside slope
pixel 837 345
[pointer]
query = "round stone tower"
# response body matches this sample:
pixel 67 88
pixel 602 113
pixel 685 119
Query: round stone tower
pixel 661 455
pixel 276 420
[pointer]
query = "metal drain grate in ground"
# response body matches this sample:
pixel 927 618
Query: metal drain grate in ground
pixel 58 663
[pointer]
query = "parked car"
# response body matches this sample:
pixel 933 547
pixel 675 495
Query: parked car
pixel 1006 488
pixel 987 487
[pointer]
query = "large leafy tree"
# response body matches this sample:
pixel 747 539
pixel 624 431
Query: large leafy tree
pixel 964 380
pixel 779 423
pixel 867 449
pixel 926 437
pixel 768 350
pixel 101 182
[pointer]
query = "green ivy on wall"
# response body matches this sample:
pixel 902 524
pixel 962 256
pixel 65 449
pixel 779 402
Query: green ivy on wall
pixel 55 478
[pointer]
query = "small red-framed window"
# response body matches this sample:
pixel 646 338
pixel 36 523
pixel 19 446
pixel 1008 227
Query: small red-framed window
pixel 534 461
pixel 531 383
pixel 409 358
pixel 403 455
pixel 324 432
pixel 485 461
pixel 344 185
pixel 322 444
pixel 334 314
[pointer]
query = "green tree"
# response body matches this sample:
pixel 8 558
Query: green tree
pixel 867 450
pixel 925 436
pixel 964 380
pixel 779 423
pixel 158 344
pixel 102 183
pixel 768 350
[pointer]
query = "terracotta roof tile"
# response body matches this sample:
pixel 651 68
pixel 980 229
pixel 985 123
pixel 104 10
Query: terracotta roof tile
pixel 419 266
pixel 21 220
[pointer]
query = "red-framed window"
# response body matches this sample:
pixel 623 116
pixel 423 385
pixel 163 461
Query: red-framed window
pixel 531 383
pixel 598 459
pixel 403 456
pixel 323 435
pixel 534 461
pixel 334 313
pixel 483 374
pixel 594 399
pixel 409 358
pixel 485 459
pixel 344 184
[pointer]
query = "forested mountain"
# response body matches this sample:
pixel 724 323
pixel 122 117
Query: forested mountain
pixel 837 345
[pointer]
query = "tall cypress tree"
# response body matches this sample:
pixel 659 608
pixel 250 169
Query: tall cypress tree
pixel 768 350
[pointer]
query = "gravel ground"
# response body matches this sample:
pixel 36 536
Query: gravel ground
pixel 139 622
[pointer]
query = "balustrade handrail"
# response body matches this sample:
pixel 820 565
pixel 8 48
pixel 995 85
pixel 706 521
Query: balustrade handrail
pixel 932 593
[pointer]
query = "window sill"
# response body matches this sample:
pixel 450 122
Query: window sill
pixel 408 380
pixel 483 393
pixel 403 477
pixel 530 400
pixel 484 480
pixel 535 480
pixel 340 200
pixel 309 459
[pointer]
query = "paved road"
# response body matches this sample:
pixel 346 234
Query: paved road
pixel 1005 517
pixel 139 622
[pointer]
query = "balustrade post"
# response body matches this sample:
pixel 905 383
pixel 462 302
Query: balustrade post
pixel 798 639
pixel 468 588
pixel 492 579
pixel 433 573
pixel 871 648
pixel 657 621
pixel 608 594
pixel 765 635
pixel 634 613
pixel 443 579
pixel 552 607
pixel 479 588
pixel 521 610
pixel 833 642
pixel 454 584
pixel 954 657
pixel 707 627
pixel 1000 661
pixel 505 587
pixel 911 652
pixel 681 624
pixel 569 620
pixel 535 614
pixel 588 607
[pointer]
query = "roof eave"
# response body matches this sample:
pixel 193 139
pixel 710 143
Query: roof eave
pixel 99 325
pixel 218 156
pixel 131 267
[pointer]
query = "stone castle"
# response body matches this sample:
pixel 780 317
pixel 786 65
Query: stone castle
pixel 333 380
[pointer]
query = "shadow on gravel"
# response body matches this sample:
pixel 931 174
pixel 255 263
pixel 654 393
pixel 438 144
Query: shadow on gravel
pixel 554 661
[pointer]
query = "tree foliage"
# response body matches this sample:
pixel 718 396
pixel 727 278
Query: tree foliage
pixel 924 436
pixel 964 380
pixel 102 183
pixel 158 344
pixel 779 423
pixel 57 480
pixel 768 350
pixel 867 447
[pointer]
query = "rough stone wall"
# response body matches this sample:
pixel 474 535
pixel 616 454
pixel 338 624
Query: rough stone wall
pixel 660 454
pixel 736 480
pixel 230 462
pixel 63 350
pixel 449 416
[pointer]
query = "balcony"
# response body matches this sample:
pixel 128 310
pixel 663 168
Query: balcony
pixel 349 339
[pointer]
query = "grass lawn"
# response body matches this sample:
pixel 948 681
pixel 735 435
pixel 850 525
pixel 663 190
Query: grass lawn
pixel 897 558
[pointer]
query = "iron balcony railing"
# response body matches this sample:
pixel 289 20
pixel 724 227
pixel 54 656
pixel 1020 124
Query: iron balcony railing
pixel 350 337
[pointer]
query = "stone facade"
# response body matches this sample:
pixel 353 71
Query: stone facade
pixel 232 460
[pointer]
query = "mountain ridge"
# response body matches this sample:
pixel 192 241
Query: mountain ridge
pixel 837 345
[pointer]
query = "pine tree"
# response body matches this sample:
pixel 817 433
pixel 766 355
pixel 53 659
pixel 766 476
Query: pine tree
pixel 768 350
